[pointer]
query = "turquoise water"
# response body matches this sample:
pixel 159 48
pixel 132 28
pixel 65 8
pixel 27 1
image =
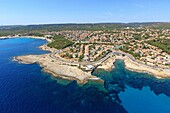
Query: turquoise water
pixel 137 92
pixel 144 101
pixel 27 89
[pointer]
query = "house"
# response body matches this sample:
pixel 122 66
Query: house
pixel 90 66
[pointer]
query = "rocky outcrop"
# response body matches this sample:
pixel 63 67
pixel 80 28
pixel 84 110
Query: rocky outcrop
pixel 56 68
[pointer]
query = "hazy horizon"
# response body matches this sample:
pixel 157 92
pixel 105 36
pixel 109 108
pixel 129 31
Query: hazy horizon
pixel 37 12
pixel 80 23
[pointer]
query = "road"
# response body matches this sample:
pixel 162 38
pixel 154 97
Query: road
pixel 52 55
pixel 95 63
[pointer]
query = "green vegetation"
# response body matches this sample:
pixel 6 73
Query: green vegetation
pixel 81 58
pixel 137 37
pixel 36 34
pixel 68 55
pixel 160 25
pixel 125 49
pixel 60 42
pixel 29 29
pixel 163 44
pixel 104 53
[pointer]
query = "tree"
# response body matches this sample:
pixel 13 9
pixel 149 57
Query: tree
pixel 71 49
pixel 67 54
pixel 81 57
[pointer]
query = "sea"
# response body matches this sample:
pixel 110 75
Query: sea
pixel 25 88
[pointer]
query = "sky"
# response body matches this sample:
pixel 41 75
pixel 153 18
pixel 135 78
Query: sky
pixel 25 12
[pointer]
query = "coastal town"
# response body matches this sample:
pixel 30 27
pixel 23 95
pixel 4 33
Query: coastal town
pixel 91 46
pixel 85 56
pixel 142 49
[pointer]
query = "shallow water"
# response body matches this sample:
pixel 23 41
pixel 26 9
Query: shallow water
pixel 137 92
pixel 26 89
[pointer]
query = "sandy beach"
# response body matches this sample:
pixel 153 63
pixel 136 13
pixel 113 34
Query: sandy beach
pixel 43 38
pixel 36 37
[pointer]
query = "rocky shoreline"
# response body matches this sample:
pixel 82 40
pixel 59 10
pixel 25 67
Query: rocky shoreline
pixel 57 69
pixel 108 65
pixel 64 71
pixel 54 67
pixel 157 72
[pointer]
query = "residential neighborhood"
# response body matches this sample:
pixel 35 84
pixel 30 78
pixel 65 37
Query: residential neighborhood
pixel 91 46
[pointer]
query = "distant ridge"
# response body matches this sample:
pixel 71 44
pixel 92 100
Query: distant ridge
pixel 86 26
pixel 17 29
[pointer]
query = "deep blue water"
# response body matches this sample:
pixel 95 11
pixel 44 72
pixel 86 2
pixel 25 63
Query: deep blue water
pixel 27 89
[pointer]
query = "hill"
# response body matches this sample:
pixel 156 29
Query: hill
pixel 10 30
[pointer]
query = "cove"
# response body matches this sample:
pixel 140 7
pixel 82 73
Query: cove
pixel 136 92
pixel 27 89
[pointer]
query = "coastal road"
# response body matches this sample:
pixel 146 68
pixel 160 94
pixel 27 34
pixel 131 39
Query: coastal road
pixel 53 56
pixel 116 53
